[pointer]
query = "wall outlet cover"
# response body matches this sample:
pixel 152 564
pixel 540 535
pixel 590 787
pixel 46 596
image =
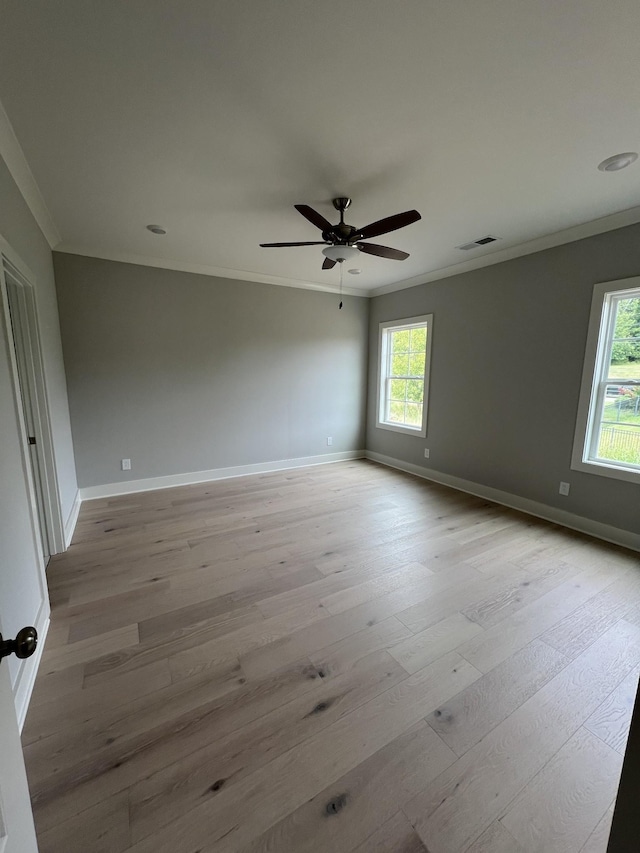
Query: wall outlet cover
pixel 564 488
pixel 126 464
pixel 426 453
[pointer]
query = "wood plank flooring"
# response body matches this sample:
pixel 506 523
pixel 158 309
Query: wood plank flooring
pixel 340 659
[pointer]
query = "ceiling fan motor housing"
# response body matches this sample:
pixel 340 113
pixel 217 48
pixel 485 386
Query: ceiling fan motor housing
pixel 340 233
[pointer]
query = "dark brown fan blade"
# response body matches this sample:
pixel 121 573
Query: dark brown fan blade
pixel 279 245
pixel 314 217
pixel 391 223
pixel 328 264
pixel 382 251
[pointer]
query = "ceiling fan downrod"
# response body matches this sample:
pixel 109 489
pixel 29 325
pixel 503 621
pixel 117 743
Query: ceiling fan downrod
pixel 341 232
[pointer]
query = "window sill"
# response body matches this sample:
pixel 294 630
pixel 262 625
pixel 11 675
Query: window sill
pixel 603 469
pixel 420 432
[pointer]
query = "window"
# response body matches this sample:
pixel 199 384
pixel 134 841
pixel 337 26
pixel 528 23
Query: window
pixel 403 387
pixel 607 438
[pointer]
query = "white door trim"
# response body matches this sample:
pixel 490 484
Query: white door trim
pixel 24 677
pixel 10 264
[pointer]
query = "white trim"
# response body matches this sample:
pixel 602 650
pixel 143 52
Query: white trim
pixel 205 269
pixel 23 687
pixel 16 260
pixel 382 356
pixel 13 155
pixel 170 481
pixel 70 524
pixel 607 469
pixel 607 532
pixel 10 265
pixel 549 241
pixel 27 469
pixel 591 370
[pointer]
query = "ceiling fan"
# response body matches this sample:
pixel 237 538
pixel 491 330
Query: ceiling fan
pixel 344 241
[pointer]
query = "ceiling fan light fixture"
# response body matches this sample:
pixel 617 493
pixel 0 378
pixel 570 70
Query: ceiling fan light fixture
pixel 341 253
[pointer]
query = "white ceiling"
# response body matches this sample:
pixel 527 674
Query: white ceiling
pixel 214 117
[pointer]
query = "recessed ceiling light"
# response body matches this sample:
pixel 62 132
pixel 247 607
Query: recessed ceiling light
pixel 355 272
pixel 156 229
pixel 618 161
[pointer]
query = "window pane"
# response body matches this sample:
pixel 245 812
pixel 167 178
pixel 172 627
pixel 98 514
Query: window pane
pixel 400 341
pixel 625 350
pixel 416 364
pixel 624 370
pixel 398 389
pixel 414 414
pixel 619 433
pixel 399 365
pixel 415 390
pixel 419 339
pixel 623 406
pixel 619 444
pixel 396 412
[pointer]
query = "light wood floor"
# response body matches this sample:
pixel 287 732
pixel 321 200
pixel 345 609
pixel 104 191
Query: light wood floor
pixel 343 659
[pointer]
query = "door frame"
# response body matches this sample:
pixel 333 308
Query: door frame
pixel 53 522
pixel 24 679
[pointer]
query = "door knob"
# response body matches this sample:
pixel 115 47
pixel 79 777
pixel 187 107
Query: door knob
pixel 23 646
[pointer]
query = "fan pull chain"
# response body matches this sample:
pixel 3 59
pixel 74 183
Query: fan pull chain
pixel 340 306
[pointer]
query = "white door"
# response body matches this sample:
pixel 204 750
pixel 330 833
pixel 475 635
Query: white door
pixel 17 834
pixel 24 367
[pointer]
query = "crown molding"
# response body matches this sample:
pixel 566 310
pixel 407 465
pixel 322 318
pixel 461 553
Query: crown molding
pixel 19 169
pixel 13 155
pixel 630 216
pixel 203 269
pixel 549 241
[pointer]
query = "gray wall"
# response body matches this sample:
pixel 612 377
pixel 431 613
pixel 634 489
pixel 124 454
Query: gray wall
pixel 182 372
pixel 508 348
pixel 19 585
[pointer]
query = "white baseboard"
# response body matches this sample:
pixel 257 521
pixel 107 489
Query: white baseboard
pixel 109 490
pixel 616 535
pixel 26 679
pixel 70 524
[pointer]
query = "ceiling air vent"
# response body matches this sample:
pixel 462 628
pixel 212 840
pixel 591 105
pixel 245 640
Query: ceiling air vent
pixel 483 241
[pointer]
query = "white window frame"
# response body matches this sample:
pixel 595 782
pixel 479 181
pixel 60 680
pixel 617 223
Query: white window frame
pixel 383 361
pixel 593 387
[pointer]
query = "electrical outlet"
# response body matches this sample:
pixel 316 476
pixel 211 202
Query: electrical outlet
pixel 126 464
pixel 564 488
pixel 426 453
pixel 329 441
